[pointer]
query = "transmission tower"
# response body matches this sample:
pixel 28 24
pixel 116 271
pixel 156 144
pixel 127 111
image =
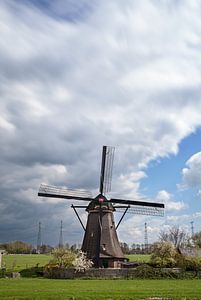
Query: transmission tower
pixel 61 236
pixel 39 244
pixel 192 228
pixel 145 237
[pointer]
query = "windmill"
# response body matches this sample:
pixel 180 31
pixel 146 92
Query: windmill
pixel 100 242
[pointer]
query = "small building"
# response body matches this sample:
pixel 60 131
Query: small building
pixel 190 251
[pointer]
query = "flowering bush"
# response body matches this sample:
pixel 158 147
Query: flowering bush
pixel 65 258
pixel 81 262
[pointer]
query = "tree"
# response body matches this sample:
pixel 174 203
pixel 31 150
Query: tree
pixel 125 248
pixel 175 235
pixel 196 238
pixel 17 247
pixel 164 254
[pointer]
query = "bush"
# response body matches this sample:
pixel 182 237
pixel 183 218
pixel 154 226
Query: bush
pixel 192 263
pixel 164 255
pixel 63 257
pixel 32 272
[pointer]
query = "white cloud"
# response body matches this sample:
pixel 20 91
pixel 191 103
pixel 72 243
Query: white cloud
pixel 127 74
pixel 191 174
pixel 170 203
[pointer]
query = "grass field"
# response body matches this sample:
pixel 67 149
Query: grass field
pixel 139 257
pixel 18 262
pixel 98 289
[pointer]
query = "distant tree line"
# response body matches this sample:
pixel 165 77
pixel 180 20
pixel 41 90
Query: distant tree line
pixel 19 247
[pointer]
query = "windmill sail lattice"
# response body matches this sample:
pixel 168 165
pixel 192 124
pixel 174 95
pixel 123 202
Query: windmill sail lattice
pixel 100 239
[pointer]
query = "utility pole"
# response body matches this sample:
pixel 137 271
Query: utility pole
pixel 145 237
pixel 39 238
pixel 61 236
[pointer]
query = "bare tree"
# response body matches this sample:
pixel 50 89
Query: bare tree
pixel 176 235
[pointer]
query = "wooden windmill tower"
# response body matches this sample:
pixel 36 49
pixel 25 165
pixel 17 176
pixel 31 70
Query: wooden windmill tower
pixel 100 241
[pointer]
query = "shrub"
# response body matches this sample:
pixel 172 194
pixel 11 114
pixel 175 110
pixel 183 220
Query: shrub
pixel 164 255
pixel 192 263
pixel 63 257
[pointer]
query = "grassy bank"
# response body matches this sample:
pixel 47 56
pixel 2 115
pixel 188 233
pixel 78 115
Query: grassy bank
pixel 99 289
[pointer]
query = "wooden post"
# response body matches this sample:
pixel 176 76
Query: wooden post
pixel 1 256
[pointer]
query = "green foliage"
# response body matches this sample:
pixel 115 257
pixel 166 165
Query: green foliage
pixel 63 257
pixel 149 272
pixel 32 272
pixel 164 255
pixel 192 263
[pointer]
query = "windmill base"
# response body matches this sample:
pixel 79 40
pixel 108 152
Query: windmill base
pixel 112 262
pixel 109 273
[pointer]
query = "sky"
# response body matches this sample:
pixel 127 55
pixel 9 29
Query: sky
pixel 77 75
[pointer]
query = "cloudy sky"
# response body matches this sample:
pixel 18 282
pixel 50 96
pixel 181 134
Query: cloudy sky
pixel 76 75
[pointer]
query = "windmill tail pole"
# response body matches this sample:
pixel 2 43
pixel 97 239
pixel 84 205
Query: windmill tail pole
pixel 103 169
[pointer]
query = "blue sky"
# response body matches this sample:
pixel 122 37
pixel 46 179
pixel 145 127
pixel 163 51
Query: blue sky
pixel 76 75
pixel 166 173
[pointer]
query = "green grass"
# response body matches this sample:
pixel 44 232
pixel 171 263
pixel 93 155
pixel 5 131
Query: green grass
pixel 98 289
pixel 18 262
pixel 139 257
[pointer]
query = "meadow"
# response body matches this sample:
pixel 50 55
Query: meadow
pixel 18 262
pixel 40 288
pixel 139 257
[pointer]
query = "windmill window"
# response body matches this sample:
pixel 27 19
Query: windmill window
pixel 103 246
pixel 92 234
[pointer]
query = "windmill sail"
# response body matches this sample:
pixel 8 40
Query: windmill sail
pixel 106 169
pixel 141 207
pixel 58 192
pixel 142 210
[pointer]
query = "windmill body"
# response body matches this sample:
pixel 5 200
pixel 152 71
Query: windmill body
pixel 100 242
